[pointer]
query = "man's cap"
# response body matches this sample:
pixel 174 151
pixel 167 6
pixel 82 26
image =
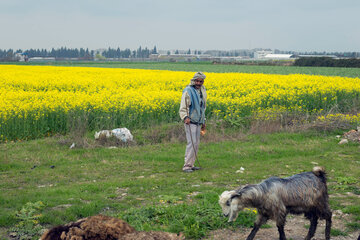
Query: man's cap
pixel 199 75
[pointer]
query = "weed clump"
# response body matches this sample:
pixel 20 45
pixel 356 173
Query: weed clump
pixel 28 226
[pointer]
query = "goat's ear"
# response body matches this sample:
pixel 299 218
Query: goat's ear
pixel 236 194
pixel 233 195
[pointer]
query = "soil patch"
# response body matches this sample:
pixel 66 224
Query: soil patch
pixel 294 229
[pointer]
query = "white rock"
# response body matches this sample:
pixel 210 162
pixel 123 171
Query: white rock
pixel 103 133
pixel 241 170
pixel 343 141
pixel 122 134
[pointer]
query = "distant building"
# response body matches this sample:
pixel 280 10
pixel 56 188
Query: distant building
pixel 261 54
pixel 228 59
pixel 323 55
pixel 178 57
pixel 21 57
pixel 272 56
pixel 42 59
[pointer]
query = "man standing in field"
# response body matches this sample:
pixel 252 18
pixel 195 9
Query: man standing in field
pixel 192 112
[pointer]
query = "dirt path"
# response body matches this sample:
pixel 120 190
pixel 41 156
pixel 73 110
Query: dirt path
pixel 294 229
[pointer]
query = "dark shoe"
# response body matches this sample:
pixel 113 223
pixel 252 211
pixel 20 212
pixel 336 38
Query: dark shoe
pixel 188 170
pixel 195 168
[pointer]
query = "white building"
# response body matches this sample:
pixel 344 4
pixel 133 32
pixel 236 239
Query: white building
pixel 272 56
pixel 42 59
pixel 20 57
pixel 261 54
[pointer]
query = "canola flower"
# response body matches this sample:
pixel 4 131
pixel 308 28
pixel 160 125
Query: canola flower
pixel 339 117
pixel 40 100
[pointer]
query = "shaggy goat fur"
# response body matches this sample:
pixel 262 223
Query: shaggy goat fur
pixel 103 228
pixel 304 193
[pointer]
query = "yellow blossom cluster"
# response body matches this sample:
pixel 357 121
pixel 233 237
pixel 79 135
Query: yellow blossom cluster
pixel 339 117
pixel 33 94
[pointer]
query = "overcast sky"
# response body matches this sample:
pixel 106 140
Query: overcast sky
pixel 297 25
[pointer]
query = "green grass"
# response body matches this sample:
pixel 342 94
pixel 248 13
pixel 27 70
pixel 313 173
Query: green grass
pixel 337 232
pixel 145 185
pixel 209 67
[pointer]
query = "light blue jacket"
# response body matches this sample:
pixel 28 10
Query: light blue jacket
pixel 198 105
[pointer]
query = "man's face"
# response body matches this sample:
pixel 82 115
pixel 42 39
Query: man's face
pixel 199 83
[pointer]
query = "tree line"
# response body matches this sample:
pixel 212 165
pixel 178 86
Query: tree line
pixel 127 53
pixel 82 54
pixel 327 62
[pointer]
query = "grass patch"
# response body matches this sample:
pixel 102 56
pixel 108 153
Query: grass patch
pixel 353 226
pixel 193 219
pixel 337 232
pixel 144 184
pixel 209 67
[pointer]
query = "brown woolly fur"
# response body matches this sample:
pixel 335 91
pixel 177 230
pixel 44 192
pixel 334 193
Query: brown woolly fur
pixel 102 227
pixel 92 228
pixel 318 171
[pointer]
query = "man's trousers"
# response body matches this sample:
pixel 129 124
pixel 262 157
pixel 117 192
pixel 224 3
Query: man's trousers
pixel 192 146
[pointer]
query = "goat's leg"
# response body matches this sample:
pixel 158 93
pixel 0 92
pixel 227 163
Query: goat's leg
pixel 259 221
pixel 281 232
pixel 280 223
pixel 313 224
pixel 253 232
pixel 328 226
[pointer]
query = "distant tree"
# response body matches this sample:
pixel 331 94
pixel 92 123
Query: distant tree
pixel 168 53
pixel 127 53
pixel 146 53
pixel 189 51
pixel 81 53
pixel 10 54
pixel 118 52
pixel 154 51
pixel 139 52
pixel 177 51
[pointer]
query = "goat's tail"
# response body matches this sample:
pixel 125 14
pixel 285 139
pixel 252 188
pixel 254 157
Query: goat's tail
pixel 320 173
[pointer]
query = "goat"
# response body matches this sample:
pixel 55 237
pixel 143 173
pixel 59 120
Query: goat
pixel 304 193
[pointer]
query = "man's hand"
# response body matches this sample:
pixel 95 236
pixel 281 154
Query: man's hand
pixel 187 120
pixel 203 130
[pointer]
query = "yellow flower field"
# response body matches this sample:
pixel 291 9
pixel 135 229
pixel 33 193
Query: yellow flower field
pixel 37 100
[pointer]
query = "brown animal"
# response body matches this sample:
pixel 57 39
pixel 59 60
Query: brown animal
pixel 102 227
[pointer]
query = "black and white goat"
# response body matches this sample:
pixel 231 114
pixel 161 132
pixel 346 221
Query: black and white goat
pixel 304 193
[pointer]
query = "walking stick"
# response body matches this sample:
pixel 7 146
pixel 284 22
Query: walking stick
pixel 192 142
